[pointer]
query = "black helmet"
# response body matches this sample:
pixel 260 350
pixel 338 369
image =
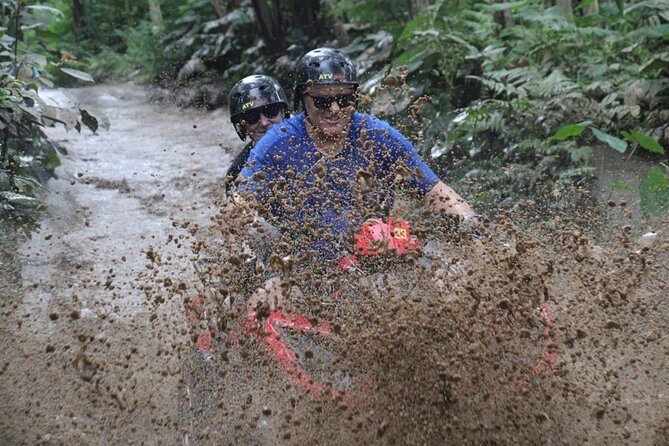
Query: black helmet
pixel 323 66
pixel 254 92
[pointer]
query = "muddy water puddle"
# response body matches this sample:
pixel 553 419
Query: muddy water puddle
pixel 531 334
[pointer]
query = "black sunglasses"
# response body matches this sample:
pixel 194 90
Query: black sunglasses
pixel 325 102
pixel 270 111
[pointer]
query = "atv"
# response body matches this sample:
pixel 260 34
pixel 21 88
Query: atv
pixel 298 343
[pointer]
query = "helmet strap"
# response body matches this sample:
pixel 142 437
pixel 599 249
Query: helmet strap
pixel 241 131
pixel 304 108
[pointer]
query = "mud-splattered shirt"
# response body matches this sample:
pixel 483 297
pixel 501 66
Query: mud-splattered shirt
pixel 326 196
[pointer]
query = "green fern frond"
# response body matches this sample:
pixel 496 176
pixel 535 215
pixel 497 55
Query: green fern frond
pixel 494 122
pixel 555 84
pixel 509 83
pixel 528 146
pixel 501 88
pixel 516 76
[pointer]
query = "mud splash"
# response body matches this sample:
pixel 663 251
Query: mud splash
pixel 542 331
pixel 491 366
pixel 531 334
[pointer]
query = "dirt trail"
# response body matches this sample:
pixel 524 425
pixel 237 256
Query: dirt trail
pixel 539 333
pixel 84 335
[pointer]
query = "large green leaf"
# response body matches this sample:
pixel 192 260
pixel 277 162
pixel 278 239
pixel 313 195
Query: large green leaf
pixel 47 9
pixel 660 31
pixel 27 184
pixel 645 141
pixel 568 131
pixel 66 116
pixel 32 26
pixel 413 57
pixel 659 61
pixel 421 22
pixel 654 192
pixel 33 113
pixel 616 144
pixel 78 74
pixel 51 160
pixel 18 199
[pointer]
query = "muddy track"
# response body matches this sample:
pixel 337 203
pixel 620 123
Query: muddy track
pixel 86 333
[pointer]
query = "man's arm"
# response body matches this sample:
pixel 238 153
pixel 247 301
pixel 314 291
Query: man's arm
pixel 271 292
pixel 438 196
pixel 244 212
pixel 441 198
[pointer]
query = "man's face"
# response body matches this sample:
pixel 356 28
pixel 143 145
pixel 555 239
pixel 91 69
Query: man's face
pixel 259 120
pixel 330 108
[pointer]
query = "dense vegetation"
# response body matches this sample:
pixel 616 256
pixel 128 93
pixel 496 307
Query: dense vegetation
pixel 26 155
pixel 514 95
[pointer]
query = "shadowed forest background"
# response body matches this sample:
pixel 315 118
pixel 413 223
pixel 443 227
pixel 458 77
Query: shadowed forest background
pixel 508 100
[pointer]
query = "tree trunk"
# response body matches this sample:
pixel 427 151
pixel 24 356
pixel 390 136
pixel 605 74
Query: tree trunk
pixel 308 15
pixel 77 13
pixel 592 8
pixel 269 28
pixel 566 6
pixel 155 13
pixel 5 141
pixel 219 7
pixel 504 17
pixel 18 36
pixel 416 6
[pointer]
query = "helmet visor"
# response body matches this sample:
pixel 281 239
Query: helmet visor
pixel 269 111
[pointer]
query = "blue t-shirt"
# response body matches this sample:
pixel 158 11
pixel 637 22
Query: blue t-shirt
pixel 327 196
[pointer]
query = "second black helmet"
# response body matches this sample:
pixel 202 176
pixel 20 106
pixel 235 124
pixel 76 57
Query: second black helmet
pixel 253 92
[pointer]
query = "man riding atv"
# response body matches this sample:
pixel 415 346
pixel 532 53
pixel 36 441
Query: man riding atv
pixel 321 174
pixel 257 102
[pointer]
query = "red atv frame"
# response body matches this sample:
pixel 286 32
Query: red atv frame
pixel 376 237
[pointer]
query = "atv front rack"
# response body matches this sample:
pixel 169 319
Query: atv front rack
pixel 266 330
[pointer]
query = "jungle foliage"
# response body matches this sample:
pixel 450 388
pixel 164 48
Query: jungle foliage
pixel 541 83
pixel 508 98
pixel 25 154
